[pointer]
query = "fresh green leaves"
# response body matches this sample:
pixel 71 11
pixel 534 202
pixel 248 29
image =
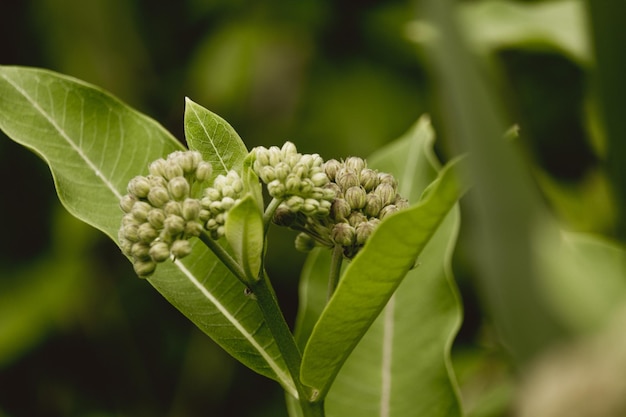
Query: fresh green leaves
pixel 244 232
pixel 401 365
pixel 94 145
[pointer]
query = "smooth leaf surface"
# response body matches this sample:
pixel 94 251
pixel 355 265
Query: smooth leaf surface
pixel 370 280
pixel 94 145
pixel 214 138
pixel 244 232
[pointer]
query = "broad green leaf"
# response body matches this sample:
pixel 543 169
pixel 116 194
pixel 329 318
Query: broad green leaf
pixel 214 138
pixel 94 145
pixel 371 279
pixel 244 232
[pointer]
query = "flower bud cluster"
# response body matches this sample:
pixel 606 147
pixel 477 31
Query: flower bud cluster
pixel 227 190
pixel 299 180
pixel 160 212
pixel 363 197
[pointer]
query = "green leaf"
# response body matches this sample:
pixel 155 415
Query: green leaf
pixel 214 138
pixel 94 145
pixel 244 232
pixel 373 276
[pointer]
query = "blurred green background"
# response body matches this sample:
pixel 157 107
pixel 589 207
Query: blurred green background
pixel 80 335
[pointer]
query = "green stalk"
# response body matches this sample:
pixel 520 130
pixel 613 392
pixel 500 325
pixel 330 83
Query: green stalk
pixel 335 269
pixel 224 256
pixel 269 213
pixel 266 298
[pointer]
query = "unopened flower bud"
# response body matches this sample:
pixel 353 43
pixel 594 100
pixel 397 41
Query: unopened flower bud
pixel 319 179
pixel 158 196
pixel 140 251
pixel 276 189
pixel 180 248
pixel 343 234
pixel 340 209
pixel 129 232
pixel 356 217
pixel 304 242
pixel 294 203
pixel 172 170
pixel 355 163
pixel 347 178
pixel 386 178
pixel 179 188
pixel 140 210
pixel 281 171
pixel 174 225
pixel 193 228
pixel 310 206
pixel 387 210
pixel 369 179
pixel 363 232
pixel 386 192
pixel 188 161
pixel 127 202
pixel 275 156
pixel 147 233
pixel 172 208
pixel 144 268
pixel 157 168
pixel 159 251
pixel 401 203
pixel 191 209
pixel 139 186
pixel 289 148
pixel 204 171
pixel 356 197
pixel 373 205
pixel 332 167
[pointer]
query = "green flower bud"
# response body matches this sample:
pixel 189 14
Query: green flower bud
pixel 332 190
pixel 275 155
pixel 343 234
pixel 189 161
pixel 144 268
pixel 369 179
pixel 157 168
pixel 140 211
pixel 289 148
pixel 157 181
pixel 172 208
pixel 324 208
pixel 281 171
pixel 193 228
pixel 331 168
pixel 386 192
pixel 204 215
pixel 181 248
pixel 179 188
pixel 140 251
pixel 147 233
pixel 319 179
pixel 294 203
pixel 373 205
pixel 125 244
pixel 159 251
pixel 129 232
pixel 261 158
pixel 356 197
pixel 172 170
pixel 304 242
pixel 385 178
pixel 210 194
pixel 127 202
pixel 276 189
pixel 139 186
pixel 156 217
pixel 340 210
pixel 128 218
pixel 310 206
pixel 174 225
pixel 401 203
pixel 204 171
pixel 356 217
pixel 266 173
pixel 158 196
pixel 191 209
pixel 355 163
pixel 363 231
pixel 387 210
pixel 347 178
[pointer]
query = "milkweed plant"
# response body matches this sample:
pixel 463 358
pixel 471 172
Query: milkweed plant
pixel 378 309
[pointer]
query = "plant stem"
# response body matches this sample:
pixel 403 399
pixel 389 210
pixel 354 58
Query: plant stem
pixel 224 256
pixel 269 213
pixel 335 269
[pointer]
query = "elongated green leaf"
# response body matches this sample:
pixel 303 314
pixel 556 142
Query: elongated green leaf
pixel 244 232
pixel 94 144
pixel 214 138
pixel 371 279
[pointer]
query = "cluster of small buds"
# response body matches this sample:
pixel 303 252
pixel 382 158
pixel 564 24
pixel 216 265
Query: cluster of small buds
pixel 363 197
pixel 160 211
pixel 227 190
pixel 297 179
